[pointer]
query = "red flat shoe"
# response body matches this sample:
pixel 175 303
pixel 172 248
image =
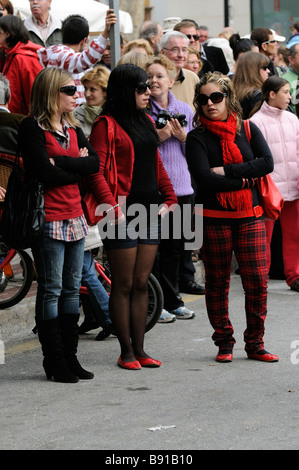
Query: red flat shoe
pixel 135 365
pixel 224 357
pixel 148 362
pixel 263 355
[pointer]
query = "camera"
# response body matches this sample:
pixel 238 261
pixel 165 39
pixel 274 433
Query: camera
pixel 165 116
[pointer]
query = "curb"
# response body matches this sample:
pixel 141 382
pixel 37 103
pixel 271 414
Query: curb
pixel 17 321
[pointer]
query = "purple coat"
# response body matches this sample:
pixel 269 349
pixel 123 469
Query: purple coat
pixel 172 150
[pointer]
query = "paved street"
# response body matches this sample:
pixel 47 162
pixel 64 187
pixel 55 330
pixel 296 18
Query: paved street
pixel 190 403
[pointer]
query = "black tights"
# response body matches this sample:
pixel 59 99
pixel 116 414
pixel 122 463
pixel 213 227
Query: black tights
pixel 128 305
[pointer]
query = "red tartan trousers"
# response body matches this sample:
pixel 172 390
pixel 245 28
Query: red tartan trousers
pixel 247 239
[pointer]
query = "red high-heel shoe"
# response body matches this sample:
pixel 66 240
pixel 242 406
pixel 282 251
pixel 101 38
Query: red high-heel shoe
pixel 135 365
pixel 148 362
pixel 263 355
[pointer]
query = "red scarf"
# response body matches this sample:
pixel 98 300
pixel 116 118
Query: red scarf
pixel 226 131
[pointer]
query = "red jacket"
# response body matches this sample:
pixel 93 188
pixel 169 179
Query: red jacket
pixel 124 156
pixel 20 66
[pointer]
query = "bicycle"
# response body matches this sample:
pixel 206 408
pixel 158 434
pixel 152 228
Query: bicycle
pixel 17 272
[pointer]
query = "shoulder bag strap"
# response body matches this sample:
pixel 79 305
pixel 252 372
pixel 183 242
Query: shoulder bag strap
pixel 247 129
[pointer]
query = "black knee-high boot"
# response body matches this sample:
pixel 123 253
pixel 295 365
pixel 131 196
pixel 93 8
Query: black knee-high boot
pixel 54 361
pixel 70 336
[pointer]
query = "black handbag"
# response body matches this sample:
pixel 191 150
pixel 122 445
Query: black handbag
pixel 23 216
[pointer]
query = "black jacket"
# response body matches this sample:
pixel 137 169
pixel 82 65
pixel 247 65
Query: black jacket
pixel 9 126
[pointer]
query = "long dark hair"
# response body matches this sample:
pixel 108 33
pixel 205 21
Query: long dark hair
pixel 14 25
pixel 240 45
pixel 120 99
pixel 272 83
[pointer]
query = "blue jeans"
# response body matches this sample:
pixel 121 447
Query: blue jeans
pixel 97 308
pixel 59 268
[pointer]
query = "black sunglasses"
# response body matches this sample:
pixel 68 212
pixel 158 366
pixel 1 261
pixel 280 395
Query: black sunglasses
pixel 142 87
pixel 215 97
pixel 194 36
pixel 265 67
pixel 69 90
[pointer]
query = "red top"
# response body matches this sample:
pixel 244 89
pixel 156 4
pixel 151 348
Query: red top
pixel 124 156
pixel 62 202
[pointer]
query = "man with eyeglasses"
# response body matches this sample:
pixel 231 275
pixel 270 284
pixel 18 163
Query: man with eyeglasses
pixel 212 57
pixel 175 46
pixel 267 45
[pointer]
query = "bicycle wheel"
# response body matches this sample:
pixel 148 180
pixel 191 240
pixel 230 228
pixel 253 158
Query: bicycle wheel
pixel 155 302
pixel 16 279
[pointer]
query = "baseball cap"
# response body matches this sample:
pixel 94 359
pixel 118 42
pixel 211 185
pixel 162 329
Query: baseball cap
pixel 277 37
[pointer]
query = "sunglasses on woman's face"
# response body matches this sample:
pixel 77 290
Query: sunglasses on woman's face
pixel 142 87
pixel 215 97
pixel 265 67
pixel 69 90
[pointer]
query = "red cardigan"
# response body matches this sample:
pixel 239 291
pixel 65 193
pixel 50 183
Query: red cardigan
pixel 62 202
pixel 124 156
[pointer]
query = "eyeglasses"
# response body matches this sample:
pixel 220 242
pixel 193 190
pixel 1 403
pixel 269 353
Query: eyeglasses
pixel 142 87
pixel 177 50
pixel 194 36
pixel 270 42
pixel 69 90
pixel 265 67
pixel 215 97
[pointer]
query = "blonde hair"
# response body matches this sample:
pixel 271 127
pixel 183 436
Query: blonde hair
pixel 161 59
pixel 226 86
pixel 135 58
pixel 139 43
pixel 247 77
pixel 99 75
pixel 197 53
pixel 45 97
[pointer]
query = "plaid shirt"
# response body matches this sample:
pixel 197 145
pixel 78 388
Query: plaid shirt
pixel 69 230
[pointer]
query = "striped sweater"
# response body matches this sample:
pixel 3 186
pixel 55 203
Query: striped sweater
pixel 76 63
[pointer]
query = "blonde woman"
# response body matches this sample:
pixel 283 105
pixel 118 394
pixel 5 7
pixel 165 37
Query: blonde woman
pixel 251 72
pixel 134 57
pixel 95 85
pixel 139 45
pixel 194 62
pixel 224 166
pixel 56 151
pixel 176 269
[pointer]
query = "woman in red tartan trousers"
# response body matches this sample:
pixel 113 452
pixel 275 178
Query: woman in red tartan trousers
pixel 224 166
